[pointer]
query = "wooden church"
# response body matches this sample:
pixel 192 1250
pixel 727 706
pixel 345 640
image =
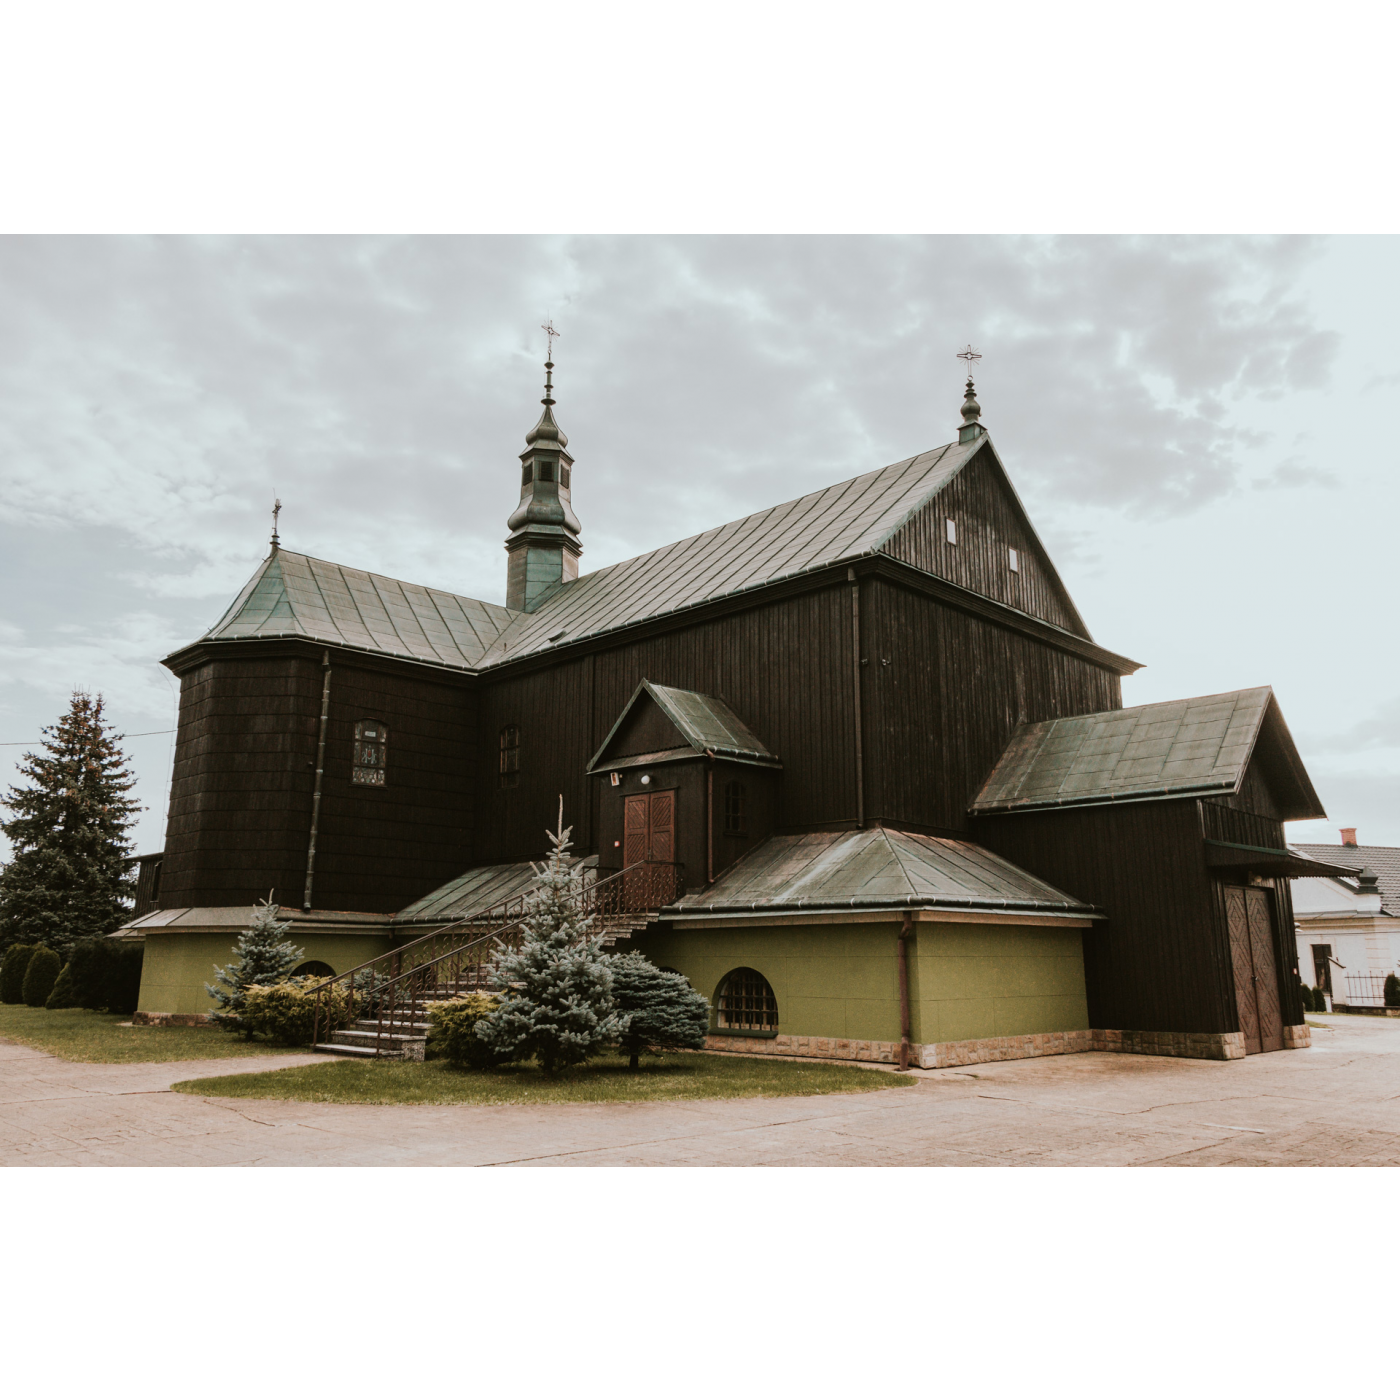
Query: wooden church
pixel 867 730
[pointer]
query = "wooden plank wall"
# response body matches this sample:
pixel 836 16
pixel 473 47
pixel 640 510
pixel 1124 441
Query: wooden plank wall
pixel 1160 962
pixel 244 773
pixel 989 522
pixel 943 692
pixel 784 667
pixel 241 790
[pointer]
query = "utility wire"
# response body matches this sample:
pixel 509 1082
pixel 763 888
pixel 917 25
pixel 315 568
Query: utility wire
pixel 22 743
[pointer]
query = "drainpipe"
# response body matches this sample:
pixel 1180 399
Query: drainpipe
pixel 320 769
pixel 906 929
pixel 710 819
pixel 856 664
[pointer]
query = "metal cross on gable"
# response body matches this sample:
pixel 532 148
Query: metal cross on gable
pixel 548 329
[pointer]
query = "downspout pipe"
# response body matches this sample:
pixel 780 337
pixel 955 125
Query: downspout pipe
pixel 856 663
pixel 710 819
pixel 906 930
pixel 320 771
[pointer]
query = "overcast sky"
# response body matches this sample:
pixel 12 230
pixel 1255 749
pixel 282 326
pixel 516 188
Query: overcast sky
pixel 1200 428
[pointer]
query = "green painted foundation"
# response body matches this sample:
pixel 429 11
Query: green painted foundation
pixel 966 981
pixel 178 964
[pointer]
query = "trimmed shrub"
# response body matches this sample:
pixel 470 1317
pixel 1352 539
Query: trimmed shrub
pixel 102 974
pixel 1319 999
pixel 1305 992
pixel 659 1010
pixel 1392 989
pixel 40 976
pixel 286 1011
pixel 12 969
pixel 453 1035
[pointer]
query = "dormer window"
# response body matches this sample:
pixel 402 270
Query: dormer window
pixel 510 756
pixel 1014 559
pixel 371 753
pixel 951 529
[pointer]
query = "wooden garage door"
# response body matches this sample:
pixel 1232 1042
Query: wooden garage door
pixel 1249 913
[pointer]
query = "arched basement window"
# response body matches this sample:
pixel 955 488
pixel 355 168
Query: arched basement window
pixel 371 753
pixel 746 1002
pixel 314 969
pixel 510 756
pixel 736 810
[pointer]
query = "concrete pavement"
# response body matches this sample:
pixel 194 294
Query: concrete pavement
pixel 1336 1104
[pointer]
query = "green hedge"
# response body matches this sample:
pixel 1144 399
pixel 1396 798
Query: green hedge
pixel 12 969
pixel 40 976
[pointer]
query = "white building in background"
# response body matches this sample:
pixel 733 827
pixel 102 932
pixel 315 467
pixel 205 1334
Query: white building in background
pixel 1349 929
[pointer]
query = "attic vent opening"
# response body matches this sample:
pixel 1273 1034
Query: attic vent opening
pixel 527 475
pixel 1014 560
pixel 564 475
pixel 546 471
pixel 951 528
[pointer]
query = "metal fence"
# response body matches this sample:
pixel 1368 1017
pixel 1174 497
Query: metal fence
pixel 1365 989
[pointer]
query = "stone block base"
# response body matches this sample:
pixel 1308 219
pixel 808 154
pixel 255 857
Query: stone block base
pixel 170 1018
pixel 1191 1045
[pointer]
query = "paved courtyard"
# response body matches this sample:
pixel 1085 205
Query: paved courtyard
pixel 1337 1104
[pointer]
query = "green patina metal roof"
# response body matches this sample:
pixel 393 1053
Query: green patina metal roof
pixel 480 888
pixel 294 595
pixel 1174 749
pixel 706 724
pixel 876 868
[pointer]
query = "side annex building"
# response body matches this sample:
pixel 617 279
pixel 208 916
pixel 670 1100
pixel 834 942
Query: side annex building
pixel 910 819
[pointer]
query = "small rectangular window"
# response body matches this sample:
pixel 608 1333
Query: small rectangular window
pixel 952 526
pixel 510 756
pixel 1014 560
pixel 546 471
pixel 371 757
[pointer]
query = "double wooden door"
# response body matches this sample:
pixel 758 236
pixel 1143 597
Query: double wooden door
pixel 649 827
pixel 1249 913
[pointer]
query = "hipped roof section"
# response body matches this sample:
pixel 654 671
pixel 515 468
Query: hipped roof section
pixel 294 595
pixel 705 723
pixel 877 868
pixel 1178 748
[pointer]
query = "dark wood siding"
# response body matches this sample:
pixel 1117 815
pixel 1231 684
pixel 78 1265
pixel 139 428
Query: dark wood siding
pixel 785 668
pixel 943 691
pixel 245 755
pixel 989 522
pixel 1161 960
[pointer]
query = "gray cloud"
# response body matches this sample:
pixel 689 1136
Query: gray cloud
pixel 1379 730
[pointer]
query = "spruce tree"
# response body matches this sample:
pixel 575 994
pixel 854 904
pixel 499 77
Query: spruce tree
pixel 69 876
pixel 264 959
pixel 661 1009
pixel 556 987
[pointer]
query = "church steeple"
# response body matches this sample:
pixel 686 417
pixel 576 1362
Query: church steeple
pixel 543 545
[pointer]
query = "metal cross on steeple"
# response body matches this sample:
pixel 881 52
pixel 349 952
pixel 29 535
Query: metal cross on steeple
pixel 276 511
pixel 970 355
pixel 548 329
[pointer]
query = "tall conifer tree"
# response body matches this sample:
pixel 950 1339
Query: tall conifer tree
pixel 70 874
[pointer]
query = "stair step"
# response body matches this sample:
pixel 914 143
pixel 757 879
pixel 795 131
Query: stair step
pixel 363 1052
pixel 371 1038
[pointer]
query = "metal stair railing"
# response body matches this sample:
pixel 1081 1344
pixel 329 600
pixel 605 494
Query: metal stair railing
pixel 396 988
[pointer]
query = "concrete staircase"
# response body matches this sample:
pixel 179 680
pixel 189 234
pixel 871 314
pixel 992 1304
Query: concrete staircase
pixel 405 1039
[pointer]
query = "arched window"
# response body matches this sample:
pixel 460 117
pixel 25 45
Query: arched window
pixel 746 1002
pixel 510 756
pixel 736 810
pixel 314 969
pixel 371 753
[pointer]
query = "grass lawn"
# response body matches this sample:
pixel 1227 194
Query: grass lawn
pixel 606 1080
pixel 93 1037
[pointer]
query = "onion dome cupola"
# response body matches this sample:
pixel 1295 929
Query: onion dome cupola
pixel 972 428
pixel 543 547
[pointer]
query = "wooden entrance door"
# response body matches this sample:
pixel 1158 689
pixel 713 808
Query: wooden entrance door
pixel 649 827
pixel 1250 915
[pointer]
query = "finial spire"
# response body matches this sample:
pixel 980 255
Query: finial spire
pixel 548 329
pixel 971 410
pixel 276 511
